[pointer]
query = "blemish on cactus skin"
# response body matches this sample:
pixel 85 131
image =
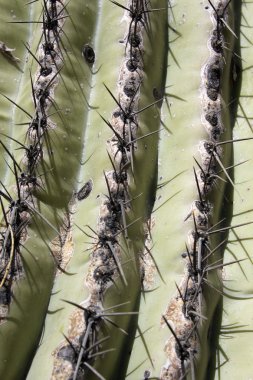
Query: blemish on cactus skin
pixel 7 52
pixel 85 191
pixel 88 54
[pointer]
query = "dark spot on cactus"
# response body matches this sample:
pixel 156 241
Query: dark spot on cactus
pixel 134 40
pixel 208 179
pixel 67 353
pixel 50 19
pixel 51 24
pixel 135 12
pixel 49 49
pixel 26 179
pixel 191 290
pixel 85 191
pixel 117 113
pixel 209 147
pixel 216 133
pixel 125 113
pixel 88 54
pixel 130 89
pixel 103 275
pixel 42 94
pixel 4 297
pixel 45 71
pixel 216 42
pixel 110 221
pixel 120 177
pixel 132 65
pixel 146 375
pixel 213 77
pixel 212 94
pixel 103 240
pixel 135 54
pixel 42 122
pixel 201 220
pixel 212 118
pixel 33 153
pixel 38 125
pixel 203 206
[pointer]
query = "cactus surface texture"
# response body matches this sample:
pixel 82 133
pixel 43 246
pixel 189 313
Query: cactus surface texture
pixel 126 189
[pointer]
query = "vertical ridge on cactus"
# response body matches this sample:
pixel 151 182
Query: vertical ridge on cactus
pixel 191 130
pixel 124 148
pixel 236 318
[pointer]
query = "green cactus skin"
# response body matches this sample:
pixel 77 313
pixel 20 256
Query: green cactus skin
pixel 93 293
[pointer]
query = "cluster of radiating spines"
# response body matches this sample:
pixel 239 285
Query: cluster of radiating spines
pixel 183 346
pixel 106 264
pixel 16 213
pixel 77 354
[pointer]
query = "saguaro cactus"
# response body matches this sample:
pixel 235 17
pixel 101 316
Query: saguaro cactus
pixel 125 192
